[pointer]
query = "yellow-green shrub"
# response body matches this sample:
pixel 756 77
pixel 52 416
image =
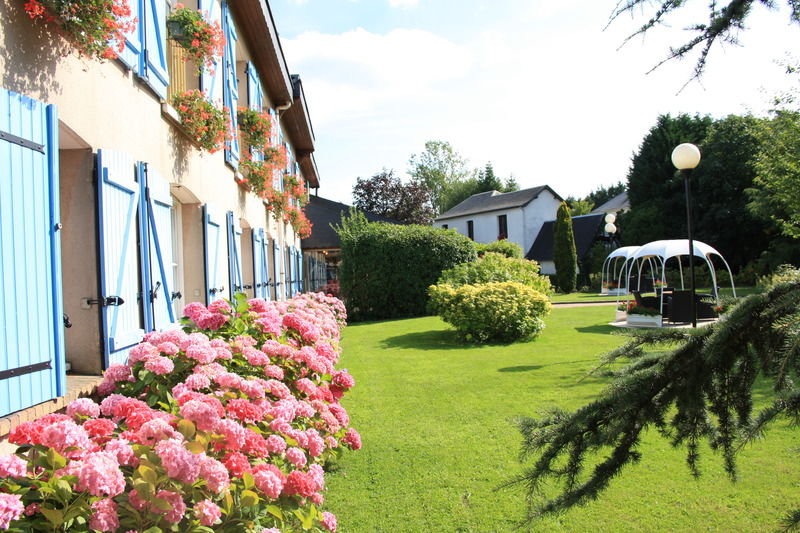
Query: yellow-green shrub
pixel 494 267
pixel 499 311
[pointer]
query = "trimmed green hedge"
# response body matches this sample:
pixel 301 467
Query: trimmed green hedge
pixel 505 247
pixel 504 312
pixel 493 267
pixel 387 268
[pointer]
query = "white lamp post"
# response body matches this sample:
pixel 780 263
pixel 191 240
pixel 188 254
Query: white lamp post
pixel 686 157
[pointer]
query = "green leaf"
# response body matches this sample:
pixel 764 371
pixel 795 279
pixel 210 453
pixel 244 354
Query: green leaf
pixel 249 498
pixel 249 482
pixel 161 504
pixel 54 516
pixel 196 447
pixel 153 529
pixel 143 487
pixel 275 511
pixel 55 459
pixel 148 474
pixel 63 489
pixel 187 428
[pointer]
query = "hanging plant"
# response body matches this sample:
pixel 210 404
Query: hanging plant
pixel 202 40
pixel 96 28
pixel 297 218
pixel 255 128
pixel 207 125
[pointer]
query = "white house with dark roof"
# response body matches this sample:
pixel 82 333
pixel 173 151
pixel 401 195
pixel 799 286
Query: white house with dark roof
pixel 517 216
pixel 616 204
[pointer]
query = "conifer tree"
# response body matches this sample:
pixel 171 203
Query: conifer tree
pixel 689 385
pixel 564 255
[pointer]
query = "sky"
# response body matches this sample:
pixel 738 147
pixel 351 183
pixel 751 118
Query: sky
pixel 542 89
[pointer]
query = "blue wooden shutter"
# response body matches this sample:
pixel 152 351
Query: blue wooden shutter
pixel 301 276
pixel 289 272
pixel 131 54
pixel 154 68
pixel 31 336
pixel 161 278
pixel 120 277
pixel 230 94
pixel 211 78
pixel 234 253
pixel 276 269
pixel 260 268
pixel 216 256
pixel 255 101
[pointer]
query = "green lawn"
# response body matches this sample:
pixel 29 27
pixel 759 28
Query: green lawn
pixel 435 420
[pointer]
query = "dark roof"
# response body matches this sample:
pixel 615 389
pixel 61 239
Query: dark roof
pixel 584 227
pixel 495 201
pixel 322 213
pixel 620 201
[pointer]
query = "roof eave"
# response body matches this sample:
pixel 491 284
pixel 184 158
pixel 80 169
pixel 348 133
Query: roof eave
pixel 308 166
pixel 257 25
pixel 297 119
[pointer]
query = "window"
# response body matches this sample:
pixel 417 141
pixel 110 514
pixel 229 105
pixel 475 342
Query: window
pixel 502 227
pixel 470 230
pixel 444 226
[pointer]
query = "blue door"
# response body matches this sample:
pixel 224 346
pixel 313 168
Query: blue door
pixel 121 279
pixel 260 268
pixel 235 254
pixel 160 274
pixel 216 253
pixel 31 339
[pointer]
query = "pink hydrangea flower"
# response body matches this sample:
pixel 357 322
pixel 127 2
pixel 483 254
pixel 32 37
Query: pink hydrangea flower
pixel 269 480
pixel 215 474
pixel 175 515
pixel 343 379
pixel 179 463
pixel 118 372
pixel 352 439
pixel 234 433
pixel 197 382
pixel 329 521
pixel 274 371
pixel 123 452
pixel 168 348
pixel 104 517
pixel 140 352
pixel 255 357
pixel 12 466
pixel 99 475
pixel 83 407
pixel 207 512
pixel 276 444
pixel 67 438
pixel 156 430
pixel 159 365
pixel 204 415
pixel 11 509
pixel 296 457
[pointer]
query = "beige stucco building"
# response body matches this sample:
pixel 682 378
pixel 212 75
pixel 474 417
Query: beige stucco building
pixel 142 221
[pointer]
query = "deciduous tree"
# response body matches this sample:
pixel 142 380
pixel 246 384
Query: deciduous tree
pixel 385 194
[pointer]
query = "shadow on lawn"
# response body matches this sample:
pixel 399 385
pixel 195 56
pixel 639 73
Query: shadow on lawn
pixel 599 328
pixel 441 339
pixel 529 368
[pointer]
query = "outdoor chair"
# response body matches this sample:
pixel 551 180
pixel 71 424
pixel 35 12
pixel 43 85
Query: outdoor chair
pixel 705 309
pixel 651 302
pixel 680 306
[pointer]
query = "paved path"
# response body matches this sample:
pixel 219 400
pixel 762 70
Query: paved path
pixel 583 304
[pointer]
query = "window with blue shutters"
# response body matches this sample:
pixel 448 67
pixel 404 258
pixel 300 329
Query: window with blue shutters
pixel 211 79
pixel 235 254
pixel 216 253
pixel 145 49
pixel 160 278
pixel 230 87
pixel 32 363
pixel 276 269
pixel 261 279
pixel 255 100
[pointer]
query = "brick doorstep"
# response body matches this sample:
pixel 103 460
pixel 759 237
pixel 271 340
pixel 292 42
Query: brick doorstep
pixel 77 386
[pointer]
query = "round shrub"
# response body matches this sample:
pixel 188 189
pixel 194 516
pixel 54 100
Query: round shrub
pixel 504 247
pixel 493 267
pixel 505 311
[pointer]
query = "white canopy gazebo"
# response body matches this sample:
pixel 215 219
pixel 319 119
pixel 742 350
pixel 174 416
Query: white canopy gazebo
pixel 656 254
pixel 616 259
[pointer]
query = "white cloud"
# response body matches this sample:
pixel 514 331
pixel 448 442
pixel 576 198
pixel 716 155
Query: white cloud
pixel 546 97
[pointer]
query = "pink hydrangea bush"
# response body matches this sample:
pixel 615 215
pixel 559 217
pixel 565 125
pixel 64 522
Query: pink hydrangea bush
pixel 224 426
